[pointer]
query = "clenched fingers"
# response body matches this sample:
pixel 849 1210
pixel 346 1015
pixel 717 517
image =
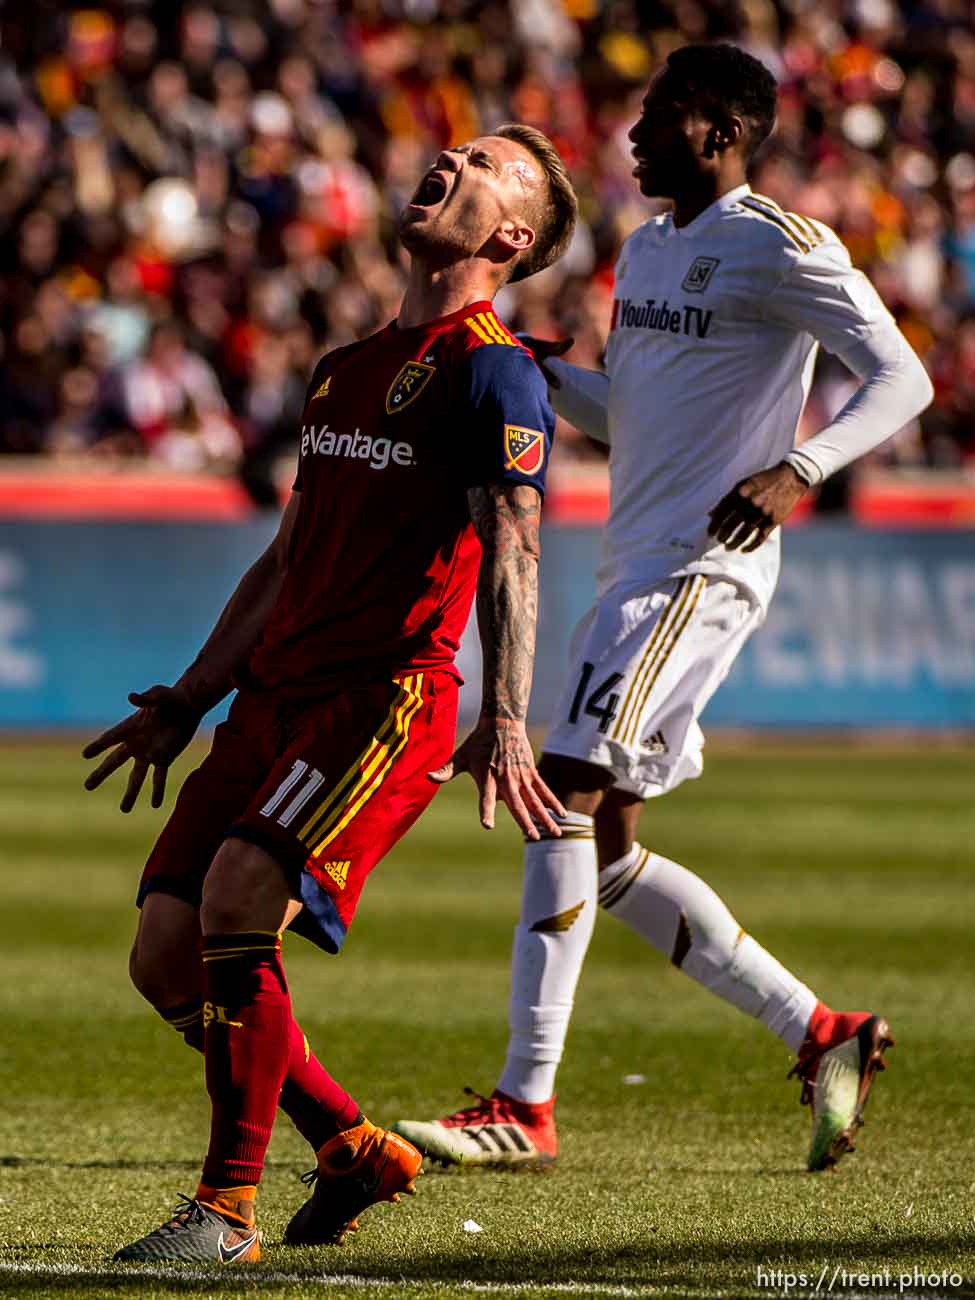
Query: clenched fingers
pixel 732 523
pixel 761 535
pixel 738 534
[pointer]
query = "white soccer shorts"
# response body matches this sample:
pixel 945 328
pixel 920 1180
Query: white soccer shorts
pixel 644 661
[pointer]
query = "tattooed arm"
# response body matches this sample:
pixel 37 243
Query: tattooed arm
pixel 497 753
pixel 506 519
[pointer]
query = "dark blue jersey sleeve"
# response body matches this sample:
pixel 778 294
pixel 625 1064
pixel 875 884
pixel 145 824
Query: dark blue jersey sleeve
pixel 512 421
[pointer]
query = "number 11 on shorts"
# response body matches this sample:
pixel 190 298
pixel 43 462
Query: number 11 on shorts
pixel 595 708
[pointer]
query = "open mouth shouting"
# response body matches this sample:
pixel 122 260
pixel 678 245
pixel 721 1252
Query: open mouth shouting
pixel 431 191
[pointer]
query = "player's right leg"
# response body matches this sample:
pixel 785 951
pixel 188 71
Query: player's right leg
pixel 515 1126
pixel 165 964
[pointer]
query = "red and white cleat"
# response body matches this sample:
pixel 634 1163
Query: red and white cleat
pixel 837 1065
pixel 498 1131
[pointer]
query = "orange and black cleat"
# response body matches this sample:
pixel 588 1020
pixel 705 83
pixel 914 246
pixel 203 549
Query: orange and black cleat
pixel 355 1169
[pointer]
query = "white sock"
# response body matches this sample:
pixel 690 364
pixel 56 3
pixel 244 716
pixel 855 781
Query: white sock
pixel 558 912
pixel 684 918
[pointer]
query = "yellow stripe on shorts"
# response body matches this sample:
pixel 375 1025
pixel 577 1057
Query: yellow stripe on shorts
pixel 677 624
pixel 648 656
pixel 368 772
pixel 339 791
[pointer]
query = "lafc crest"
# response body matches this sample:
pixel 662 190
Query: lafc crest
pixel 408 385
pixel 700 272
pixel 524 449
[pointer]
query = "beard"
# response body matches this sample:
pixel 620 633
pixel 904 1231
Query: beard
pixel 436 239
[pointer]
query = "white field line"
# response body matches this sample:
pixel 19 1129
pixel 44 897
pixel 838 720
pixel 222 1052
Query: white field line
pixel 262 1277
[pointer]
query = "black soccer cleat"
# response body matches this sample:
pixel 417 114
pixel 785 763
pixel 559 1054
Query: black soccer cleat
pixel 196 1234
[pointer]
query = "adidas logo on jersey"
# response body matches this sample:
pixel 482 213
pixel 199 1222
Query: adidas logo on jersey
pixel 650 315
pixel 378 452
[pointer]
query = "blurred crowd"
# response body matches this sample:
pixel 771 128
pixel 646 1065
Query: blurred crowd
pixel 198 199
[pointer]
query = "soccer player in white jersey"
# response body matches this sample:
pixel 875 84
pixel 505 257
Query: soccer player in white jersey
pixel 719 308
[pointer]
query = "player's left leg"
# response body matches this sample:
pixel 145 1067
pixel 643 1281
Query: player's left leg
pixel 677 913
pixel 683 918
pixel 166 968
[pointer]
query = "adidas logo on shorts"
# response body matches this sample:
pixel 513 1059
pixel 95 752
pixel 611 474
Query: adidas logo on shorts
pixel 656 744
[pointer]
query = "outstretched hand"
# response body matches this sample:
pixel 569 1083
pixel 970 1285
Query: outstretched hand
pixel 499 757
pixel 153 736
pixel 744 518
pixel 542 349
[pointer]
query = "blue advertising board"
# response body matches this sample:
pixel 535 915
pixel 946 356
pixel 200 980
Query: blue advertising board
pixel 868 628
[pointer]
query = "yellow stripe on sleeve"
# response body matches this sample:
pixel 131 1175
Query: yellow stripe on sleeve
pixel 503 330
pixel 478 330
pixel 490 327
pixel 777 219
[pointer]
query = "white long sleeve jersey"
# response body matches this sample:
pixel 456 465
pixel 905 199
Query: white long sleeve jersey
pixel 713 338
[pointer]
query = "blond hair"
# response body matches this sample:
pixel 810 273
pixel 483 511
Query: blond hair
pixel 554 216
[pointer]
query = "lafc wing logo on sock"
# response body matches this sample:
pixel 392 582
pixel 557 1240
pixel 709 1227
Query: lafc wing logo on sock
pixel 560 922
pixel 408 385
pixel 524 449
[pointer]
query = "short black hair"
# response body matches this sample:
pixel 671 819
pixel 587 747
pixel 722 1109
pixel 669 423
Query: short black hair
pixel 729 80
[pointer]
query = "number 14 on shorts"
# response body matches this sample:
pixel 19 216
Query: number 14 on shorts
pixel 602 703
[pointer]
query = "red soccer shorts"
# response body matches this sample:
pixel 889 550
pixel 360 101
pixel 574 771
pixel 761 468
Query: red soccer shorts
pixel 326 787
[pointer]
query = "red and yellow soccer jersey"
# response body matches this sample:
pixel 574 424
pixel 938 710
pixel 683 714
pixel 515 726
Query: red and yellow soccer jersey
pixel 384 559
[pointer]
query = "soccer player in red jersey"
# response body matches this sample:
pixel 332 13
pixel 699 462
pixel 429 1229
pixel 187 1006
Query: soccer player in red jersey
pixel 422 461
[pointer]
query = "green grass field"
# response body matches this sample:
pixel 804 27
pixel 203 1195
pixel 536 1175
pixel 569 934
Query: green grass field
pixel 854 868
